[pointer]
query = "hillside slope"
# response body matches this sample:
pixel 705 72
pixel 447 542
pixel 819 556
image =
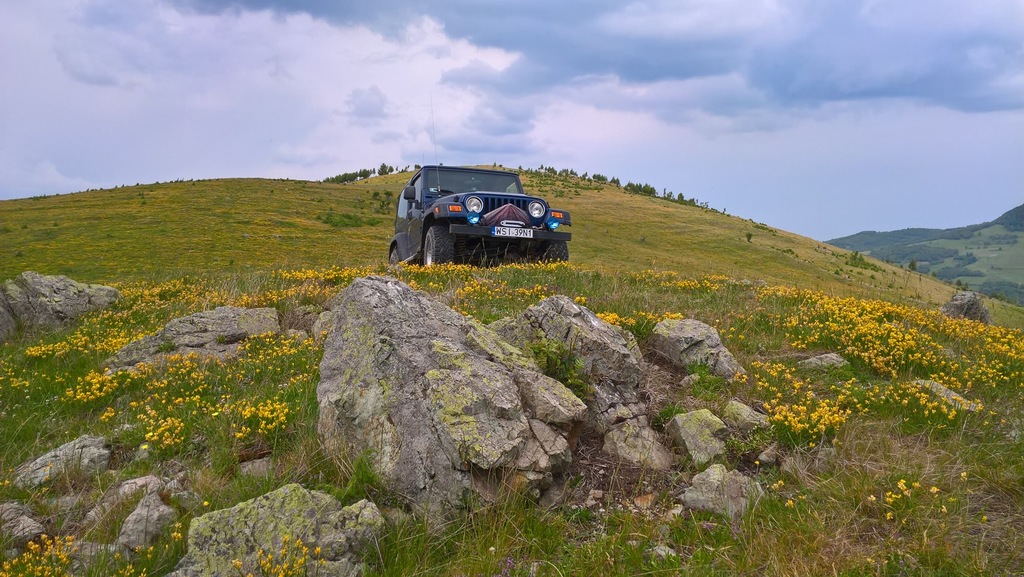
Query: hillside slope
pixel 988 256
pixel 212 226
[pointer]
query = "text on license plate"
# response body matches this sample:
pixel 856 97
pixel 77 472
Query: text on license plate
pixel 513 232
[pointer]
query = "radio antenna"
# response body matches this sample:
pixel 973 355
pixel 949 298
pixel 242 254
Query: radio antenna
pixel 433 128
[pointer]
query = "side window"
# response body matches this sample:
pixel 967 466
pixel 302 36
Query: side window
pixel 403 204
pixel 419 188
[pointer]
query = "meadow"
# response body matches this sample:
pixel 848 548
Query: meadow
pixel 212 227
pixel 885 477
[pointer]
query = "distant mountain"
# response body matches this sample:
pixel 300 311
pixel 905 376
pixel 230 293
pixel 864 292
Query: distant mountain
pixel 988 257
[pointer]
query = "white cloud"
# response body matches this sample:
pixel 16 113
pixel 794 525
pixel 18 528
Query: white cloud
pixel 765 108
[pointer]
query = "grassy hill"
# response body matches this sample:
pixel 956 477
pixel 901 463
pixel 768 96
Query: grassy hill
pixel 877 474
pixel 988 257
pixel 233 225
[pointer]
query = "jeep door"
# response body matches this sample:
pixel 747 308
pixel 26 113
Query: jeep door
pixel 409 219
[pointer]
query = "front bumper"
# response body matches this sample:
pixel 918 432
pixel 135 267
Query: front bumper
pixel 489 232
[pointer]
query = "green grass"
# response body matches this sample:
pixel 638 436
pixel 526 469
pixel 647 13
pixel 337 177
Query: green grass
pixel 833 517
pixel 211 226
pixel 196 245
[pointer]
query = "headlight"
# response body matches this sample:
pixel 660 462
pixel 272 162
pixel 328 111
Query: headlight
pixel 474 204
pixel 536 209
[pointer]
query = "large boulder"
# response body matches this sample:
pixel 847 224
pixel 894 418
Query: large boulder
pixel 216 333
pixel 442 405
pixel 48 302
pixel 612 362
pixel 218 539
pixel 87 454
pixel 686 342
pixel 967 305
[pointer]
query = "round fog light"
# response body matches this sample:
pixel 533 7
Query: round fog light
pixel 473 218
pixel 553 224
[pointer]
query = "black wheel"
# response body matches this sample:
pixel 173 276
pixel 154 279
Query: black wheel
pixel 438 246
pixel 556 251
pixel 393 256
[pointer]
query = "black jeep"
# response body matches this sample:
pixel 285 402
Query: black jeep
pixel 472 215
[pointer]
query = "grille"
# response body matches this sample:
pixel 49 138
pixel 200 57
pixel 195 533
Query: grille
pixel 493 202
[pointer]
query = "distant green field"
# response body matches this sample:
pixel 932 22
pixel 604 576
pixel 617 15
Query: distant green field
pixel 988 257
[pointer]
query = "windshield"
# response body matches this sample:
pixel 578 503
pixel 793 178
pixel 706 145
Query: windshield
pixel 442 182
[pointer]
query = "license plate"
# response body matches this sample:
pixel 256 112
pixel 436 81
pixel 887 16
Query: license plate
pixel 512 232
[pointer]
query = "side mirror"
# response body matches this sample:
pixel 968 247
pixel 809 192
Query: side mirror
pixel 409 193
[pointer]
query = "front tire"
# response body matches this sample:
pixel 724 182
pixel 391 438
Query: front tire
pixel 438 245
pixel 556 251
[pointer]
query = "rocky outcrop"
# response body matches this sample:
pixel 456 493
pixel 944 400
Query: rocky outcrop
pixel 87 454
pixel 341 534
pixel 216 333
pixel 611 360
pixel 967 305
pixel 121 494
pixel 441 402
pixel 37 301
pixel 688 342
pixel 727 493
pixel 700 434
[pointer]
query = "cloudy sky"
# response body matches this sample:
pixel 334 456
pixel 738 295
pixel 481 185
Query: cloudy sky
pixel 823 117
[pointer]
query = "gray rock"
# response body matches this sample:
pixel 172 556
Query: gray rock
pixel 952 398
pixel 742 418
pixel 257 467
pixel 825 361
pixel 323 324
pixel 549 400
pixel 689 342
pixel 50 302
pixel 662 551
pixel 700 433
pixel 342 533
pixel 611 357
pixel 217 333
pixel 546 451
pixel 17 525
pixel 636 443
pixel 437 398
pixel 769 457
pixel 8 324
pixel 612 361
pixel 87 454
pixel 967 305
pixel 86 554
pixel 144 525
pixel 727 493
pixel 805 465
pixel 122 494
